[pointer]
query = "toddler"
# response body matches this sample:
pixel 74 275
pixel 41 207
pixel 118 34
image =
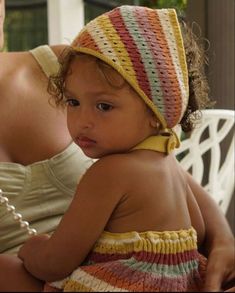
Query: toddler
pixel 136 223
pixel 133 224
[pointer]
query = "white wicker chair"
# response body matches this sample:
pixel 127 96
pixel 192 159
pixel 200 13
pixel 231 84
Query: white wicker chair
pixel 209 154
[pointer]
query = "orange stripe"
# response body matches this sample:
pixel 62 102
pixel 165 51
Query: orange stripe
pixel 85 40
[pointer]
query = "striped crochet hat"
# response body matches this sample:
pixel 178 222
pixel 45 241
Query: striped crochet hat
pixel 145 46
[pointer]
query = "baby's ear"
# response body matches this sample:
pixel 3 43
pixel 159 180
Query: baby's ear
pixel 154 121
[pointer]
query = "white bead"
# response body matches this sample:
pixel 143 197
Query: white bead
pixel 24 224
pixel 32 232
pixel 17 216
pixel 10 208
pixel 3 200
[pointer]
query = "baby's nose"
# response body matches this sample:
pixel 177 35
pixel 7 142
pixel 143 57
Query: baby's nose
pixel 85 119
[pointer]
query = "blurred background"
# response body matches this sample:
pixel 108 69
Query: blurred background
pixel 30 23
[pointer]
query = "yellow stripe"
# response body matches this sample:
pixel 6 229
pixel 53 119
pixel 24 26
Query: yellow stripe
pixel 183 233
pixel 100 38
pixel 167 247
pixel 73 286
pixel 180 47
pixel 164 242
pixel 112 36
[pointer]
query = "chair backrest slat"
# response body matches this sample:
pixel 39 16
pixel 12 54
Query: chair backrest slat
pixel 203 151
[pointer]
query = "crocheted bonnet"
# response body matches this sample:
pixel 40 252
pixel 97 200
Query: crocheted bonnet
pixel 145 46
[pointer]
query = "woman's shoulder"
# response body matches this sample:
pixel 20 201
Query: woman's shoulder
pixel 14 66
pixel 58 49
pixel 17 68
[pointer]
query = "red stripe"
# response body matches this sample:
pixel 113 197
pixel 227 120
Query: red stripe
pixel 167 259
pixel 133 52
pixel 150 257
pixel 103 257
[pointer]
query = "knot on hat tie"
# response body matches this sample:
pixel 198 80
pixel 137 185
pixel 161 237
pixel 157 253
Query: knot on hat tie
pixel 165 142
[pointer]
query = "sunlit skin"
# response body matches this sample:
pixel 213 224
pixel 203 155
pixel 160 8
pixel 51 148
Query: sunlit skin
pixel 31 130
pixel 103 119
pixel 2 17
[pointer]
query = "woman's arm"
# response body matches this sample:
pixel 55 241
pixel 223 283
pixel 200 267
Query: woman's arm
pixel 219 241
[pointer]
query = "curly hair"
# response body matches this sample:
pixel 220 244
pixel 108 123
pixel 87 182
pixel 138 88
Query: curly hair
pixel 196 59
pixel 56 82
pixel 198 85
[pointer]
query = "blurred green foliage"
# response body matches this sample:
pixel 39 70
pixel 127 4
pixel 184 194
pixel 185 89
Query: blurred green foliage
pixel 26 20
pixel 25 25
pixel 180 5
pixel 95 8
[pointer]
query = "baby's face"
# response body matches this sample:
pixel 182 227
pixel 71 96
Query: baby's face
pixel 103 119
pixel 2 17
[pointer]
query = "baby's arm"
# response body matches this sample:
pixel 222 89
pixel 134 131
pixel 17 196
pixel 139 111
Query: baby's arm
pixel 219 241
pixel 97 195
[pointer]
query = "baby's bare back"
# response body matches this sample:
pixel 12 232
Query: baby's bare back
pixel 158 197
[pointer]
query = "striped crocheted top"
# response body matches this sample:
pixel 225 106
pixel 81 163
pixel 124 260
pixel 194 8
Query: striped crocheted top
pixel 141 262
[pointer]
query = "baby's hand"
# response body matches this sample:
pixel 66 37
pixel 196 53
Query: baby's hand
pixel 29 250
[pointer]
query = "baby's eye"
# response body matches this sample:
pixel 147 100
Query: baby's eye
pixel 104 107
pixel 72 102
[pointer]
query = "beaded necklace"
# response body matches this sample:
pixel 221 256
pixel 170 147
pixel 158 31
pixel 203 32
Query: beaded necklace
pixel 16 216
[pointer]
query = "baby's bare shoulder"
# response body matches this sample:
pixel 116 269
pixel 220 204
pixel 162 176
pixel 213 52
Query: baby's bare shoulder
pixel 113 164
pixel 128 169
pixel 107 178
